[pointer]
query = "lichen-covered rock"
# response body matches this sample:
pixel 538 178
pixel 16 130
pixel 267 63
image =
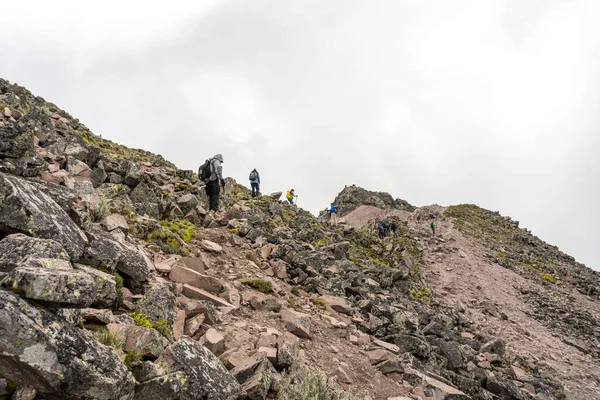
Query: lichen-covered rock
pixel 207 377
pixel 105 286
pixel 17 248
pixel 145 201
pixel 137 338
pixel 187 202
pixel 167 387
pixel 58 359
pixel 158 304
pixel 52 281
pixel 104 251
pixel 26 210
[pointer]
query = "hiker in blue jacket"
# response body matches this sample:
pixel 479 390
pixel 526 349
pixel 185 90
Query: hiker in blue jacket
pixel 255 182
pixel 332 214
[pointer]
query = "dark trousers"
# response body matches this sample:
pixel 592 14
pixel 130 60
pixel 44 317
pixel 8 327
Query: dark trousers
pixel 213 191
pixel 255 188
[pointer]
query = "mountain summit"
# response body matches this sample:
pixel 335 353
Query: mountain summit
pixel 115 283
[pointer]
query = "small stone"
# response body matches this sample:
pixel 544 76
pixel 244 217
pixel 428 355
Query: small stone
pixel 211 246
pixel 213 341
pixel 296 322
pixel 270 352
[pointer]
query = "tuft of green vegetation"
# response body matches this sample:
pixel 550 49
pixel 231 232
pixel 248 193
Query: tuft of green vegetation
pixel 310 386
pixel 234 231
pixel 251 255
pixel 321 242
pixel 181 187
pixel 108 338
pixel 295 291
pixel 101 209
pixel 172 235
pixel 262 285
pixel 421 295
pixel 140 320
pixel 548 278
pixel 118 287
pixel 162 327
pixel 320 303
pixel 132 357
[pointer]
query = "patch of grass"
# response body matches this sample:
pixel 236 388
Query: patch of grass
pixel 234 231
pixel 295 291
pixel 252 257
pixel 310 386
pixel 132 357
pixel 320 303
pixel 101 209
pixel 108 338
pixel 182 227
pixel 118 287
pixel 548 278
pixel 422 295
pixel 321 242
pixel 172 235
pixel 262 285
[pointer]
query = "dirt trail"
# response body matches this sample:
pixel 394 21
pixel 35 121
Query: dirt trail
pixel 460 275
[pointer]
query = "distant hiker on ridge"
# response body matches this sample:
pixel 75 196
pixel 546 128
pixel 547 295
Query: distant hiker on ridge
pixel 255 182
pixel 394 229
pixel 290 196
pixel 211 173
pixel 332 215
pixel 382 228
pixel 433 227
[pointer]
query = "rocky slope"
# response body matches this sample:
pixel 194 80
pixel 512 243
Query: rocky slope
pixel 115 284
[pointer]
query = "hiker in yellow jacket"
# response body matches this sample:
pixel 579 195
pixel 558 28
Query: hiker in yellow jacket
pixel 290 196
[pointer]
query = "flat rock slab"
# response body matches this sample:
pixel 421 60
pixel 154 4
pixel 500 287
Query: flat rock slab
pixel 181 274
pixel 195 293
pixel 52 281
pixel 27 210
pixel 297 323
pixel 17 248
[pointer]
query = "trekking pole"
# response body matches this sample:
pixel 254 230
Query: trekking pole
pixel 296 200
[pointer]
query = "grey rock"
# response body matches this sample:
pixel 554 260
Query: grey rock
pixel 287 350
pixel 494 346
pixel 52 281
pixel 26 210
pixel 187 202
pixel 105 287
pixel 167 387
pixel 17 248
pixel 145 201
pixel 56 358
pixel 158 304
pixel 106 252
pixel 207 377
pixel 145 340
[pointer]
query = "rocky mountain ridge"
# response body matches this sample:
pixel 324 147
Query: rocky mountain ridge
pixel 116 284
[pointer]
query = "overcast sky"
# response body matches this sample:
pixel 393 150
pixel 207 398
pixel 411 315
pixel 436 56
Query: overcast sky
pixel 488 102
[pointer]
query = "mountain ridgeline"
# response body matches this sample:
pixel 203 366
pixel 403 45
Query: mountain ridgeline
pixel 115 283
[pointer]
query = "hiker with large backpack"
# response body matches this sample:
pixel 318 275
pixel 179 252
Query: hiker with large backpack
pixel 433 227
pixel 211 173
pixel 255 182
pixel 382 229
pixel 290 196
pixel 394 229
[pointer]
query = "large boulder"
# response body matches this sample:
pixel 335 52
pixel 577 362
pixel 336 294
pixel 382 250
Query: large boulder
pixel 166 387
pixel 16 249
pixel 206 376
pixel 158 305
pixel 145 201
pixel 105 285
pixel 26 210
pixel 105 251
pixel 52 281
pixel 296 322
pixel 58 359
